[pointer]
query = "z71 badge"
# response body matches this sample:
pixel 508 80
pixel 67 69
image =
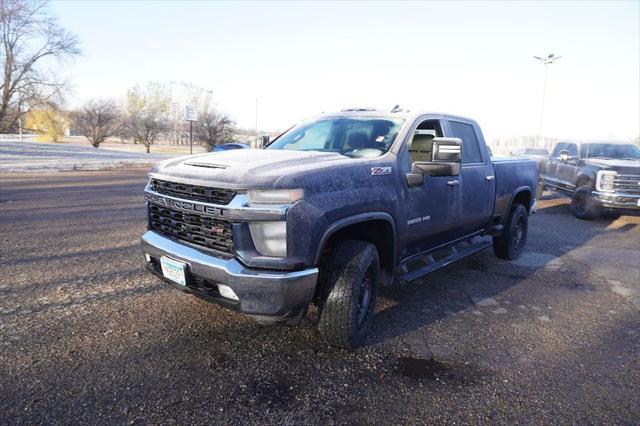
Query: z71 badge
pixel 379 171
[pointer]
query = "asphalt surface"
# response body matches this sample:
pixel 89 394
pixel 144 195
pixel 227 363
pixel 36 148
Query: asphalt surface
pixel 87 337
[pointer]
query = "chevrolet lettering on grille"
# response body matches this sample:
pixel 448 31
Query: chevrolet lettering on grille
pixel 184 205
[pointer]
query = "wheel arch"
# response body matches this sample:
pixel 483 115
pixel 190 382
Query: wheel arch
pixel 523 195
pixel 584 178
pixel 377 228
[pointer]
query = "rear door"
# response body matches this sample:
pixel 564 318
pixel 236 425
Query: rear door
pixel 476 180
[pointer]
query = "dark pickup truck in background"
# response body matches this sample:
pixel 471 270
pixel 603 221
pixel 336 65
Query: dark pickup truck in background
pixel 330 210
pixel 598 176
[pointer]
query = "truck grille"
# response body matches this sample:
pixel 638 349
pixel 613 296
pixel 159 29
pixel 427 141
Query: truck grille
pixel 211 233
pixel 193 192
pixel 627 184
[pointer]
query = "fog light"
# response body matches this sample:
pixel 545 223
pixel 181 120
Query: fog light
pixel 225 291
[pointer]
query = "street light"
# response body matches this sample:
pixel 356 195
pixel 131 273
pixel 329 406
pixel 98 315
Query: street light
pixel 550 59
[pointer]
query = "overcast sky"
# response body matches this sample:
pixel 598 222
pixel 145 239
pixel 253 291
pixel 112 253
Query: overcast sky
pixel 299 59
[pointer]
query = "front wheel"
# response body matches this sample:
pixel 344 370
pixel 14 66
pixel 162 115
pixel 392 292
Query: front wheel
pixel 350 291
pixel 510 244
pixel 583 205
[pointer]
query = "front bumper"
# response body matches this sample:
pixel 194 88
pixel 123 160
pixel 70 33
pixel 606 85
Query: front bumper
pixel 614 200
pixel 267 295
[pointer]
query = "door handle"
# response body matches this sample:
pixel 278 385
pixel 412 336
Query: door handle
pixel 453 182
pixel 490 178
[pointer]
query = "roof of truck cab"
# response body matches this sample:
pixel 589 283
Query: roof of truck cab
pixel 387 114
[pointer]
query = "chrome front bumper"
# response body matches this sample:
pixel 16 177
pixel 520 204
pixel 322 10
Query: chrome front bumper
pixel 617 200
pixel 262 293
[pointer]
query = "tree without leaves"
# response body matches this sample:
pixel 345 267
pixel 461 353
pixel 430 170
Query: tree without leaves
pixel 147 113
pixel 30 37
pixel 213 127
pixel 97 120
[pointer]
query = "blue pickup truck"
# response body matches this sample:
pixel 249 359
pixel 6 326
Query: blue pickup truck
pixel 330 210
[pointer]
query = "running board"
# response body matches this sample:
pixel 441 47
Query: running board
pixel 432 262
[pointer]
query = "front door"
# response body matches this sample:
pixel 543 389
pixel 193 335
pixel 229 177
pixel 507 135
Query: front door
pixel 550 174
pixel 430 209
pixel 566 171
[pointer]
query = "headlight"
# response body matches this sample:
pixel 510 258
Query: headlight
pixel 605 181
pixel 274 196
pixel 270 238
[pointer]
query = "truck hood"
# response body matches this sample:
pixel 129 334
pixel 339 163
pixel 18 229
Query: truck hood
pixel 621 166
pixel 248 168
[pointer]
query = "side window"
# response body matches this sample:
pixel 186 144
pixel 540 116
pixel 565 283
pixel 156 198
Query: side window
pixel 573 150
pixel 421 144
pixel 470 147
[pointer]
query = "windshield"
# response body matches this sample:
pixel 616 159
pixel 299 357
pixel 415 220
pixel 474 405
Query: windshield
pixel 352 136
pixel 610 150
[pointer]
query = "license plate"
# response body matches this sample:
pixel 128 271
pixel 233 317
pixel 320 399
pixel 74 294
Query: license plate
pixel 174 270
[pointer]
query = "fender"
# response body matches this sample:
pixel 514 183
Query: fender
pixel 513 196
pixel 352 220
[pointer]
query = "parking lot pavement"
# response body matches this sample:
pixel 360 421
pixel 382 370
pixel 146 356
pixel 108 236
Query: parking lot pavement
pixel 86 336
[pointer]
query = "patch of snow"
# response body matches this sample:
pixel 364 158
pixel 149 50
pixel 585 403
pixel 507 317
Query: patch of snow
pixel 484 301
pixel 16 156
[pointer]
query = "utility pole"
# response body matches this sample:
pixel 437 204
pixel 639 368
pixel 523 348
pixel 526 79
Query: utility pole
pixel 550 59
pixel 256 144
pixel 190 137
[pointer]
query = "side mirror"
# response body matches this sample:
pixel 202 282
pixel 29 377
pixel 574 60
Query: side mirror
pixel 445 159
pixel 446 149
pixel 446 156
pixel 264 141
pixel 563 156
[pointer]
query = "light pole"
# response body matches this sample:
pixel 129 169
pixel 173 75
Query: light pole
pixel 550 59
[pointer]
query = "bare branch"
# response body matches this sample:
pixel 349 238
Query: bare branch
pixel 97 120
pixel 29 35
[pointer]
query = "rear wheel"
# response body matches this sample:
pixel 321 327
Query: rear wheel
pixel 350 290
pixel 583 205
pixel 510 244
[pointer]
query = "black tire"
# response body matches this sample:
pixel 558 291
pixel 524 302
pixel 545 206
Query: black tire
pixel 510 244
pixel 350 290
pixel 583 205
pixel 611 214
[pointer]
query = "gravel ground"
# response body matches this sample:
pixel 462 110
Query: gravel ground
pixel 87 337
